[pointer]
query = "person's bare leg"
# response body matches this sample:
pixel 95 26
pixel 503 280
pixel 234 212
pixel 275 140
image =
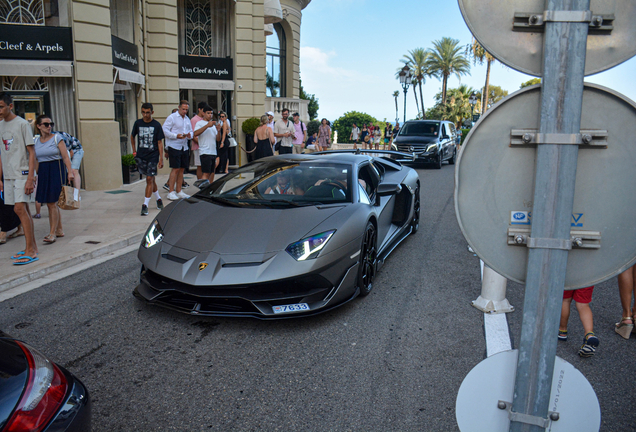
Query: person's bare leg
pixel 172 179
pixel 587 318
pixel 38 207
pixel 179 179
pixel 54 218
pixel 150 181
pixel 199 172
pixel 626 289
pixel 77 180
pixel 23 212
pixel 565 314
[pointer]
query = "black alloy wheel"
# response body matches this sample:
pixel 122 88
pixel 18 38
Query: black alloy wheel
pixel 415 222
pixel 438 163
pixel 452 160
pixel 368 260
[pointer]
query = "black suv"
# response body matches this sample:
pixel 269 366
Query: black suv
pixel 432 141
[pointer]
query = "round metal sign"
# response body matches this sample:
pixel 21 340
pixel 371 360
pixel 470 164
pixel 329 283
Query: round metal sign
pixel 494 186
pixel 511 31
pixel 493 380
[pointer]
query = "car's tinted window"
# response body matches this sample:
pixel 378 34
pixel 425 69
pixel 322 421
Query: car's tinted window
pixel 284 182
pixel 420 129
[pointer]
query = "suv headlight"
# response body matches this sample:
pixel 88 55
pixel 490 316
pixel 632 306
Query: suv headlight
pixel 430 148
pixel 309 247
pixel 153 236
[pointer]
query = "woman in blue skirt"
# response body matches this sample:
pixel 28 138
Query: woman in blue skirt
pixel 54 167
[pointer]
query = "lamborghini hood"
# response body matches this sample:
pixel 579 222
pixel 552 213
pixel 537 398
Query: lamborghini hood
pixel 201 226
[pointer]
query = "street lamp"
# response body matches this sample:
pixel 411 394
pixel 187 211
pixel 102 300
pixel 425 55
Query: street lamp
pixel 405 79
pixel 472 100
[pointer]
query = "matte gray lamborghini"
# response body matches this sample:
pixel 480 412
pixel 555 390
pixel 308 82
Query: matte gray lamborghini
pixel 280 237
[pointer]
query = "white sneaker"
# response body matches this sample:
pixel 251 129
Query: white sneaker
pixel 183 195
pixel 172 196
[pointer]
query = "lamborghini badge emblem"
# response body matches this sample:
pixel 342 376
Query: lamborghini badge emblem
pixel 203 266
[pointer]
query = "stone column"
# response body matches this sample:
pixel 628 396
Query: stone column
pixel 98 131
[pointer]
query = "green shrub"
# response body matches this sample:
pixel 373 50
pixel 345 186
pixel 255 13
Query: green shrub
pixel 464 135
pixel 312 127
pixel 128 160
pixel 250 125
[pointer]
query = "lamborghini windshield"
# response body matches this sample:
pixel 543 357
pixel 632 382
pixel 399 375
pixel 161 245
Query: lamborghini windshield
pixel 282 183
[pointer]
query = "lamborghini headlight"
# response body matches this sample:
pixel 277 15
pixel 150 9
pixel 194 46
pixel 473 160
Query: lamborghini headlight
pixel 309 247
pixel 153 236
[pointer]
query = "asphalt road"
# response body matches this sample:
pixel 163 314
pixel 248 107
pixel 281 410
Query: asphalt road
pixel 392 361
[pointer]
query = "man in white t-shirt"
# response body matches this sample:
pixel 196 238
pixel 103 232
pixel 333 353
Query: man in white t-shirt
pixel 355 135
pixel 207 134
pixel 195 141
pixel 285 133
pixel 178 130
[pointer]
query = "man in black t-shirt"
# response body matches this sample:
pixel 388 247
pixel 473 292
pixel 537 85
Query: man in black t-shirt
pixel 149 155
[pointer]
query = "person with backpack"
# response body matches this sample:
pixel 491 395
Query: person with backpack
pixel 301 134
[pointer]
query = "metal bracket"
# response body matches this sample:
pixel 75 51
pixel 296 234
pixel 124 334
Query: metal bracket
pixel 585 139
pixel 527 418
pixel 579 239
pixel 535 22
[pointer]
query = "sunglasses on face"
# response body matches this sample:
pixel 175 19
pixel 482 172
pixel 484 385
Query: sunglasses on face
pixel 45 124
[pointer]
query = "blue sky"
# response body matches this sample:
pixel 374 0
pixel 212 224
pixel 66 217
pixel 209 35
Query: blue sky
pixel 350 50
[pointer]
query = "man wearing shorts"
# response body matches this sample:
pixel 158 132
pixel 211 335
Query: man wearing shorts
pixel 178 130
pixel 208 136
pixel 195 141
pixel 355 136
pixel 17 165
pixel 149 155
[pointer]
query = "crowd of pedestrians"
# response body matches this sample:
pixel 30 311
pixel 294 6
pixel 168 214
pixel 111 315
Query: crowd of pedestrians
pixel 371 136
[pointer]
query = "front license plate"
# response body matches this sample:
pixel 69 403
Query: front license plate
pixel 291 308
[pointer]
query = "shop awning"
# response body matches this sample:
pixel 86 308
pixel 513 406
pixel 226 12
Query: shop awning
pixel 36 68
pixel 202 84
pixel 129 76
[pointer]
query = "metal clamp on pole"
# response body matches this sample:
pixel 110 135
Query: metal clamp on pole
pixel 584 139
pixel 579 239
pixel 535 22
pixel 526 418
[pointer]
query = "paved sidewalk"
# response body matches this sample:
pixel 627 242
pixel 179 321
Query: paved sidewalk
pixel 106 222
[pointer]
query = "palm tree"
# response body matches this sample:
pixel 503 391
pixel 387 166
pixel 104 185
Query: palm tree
pixel 446 58
pixel 458 107
pixel 395 95
pixel 416 61
pixel 479 55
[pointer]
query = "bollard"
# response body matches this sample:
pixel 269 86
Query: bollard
pixel 493 293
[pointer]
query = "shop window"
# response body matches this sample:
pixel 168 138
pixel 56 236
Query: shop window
pixel 204 28
pixel 33 12
pixel 122 19
pixel 276 62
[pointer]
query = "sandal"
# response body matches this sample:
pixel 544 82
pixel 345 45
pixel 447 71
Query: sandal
pixel 37 216
pixel 59 235
pixel 16 234
pixel 49 239
pixel 624 329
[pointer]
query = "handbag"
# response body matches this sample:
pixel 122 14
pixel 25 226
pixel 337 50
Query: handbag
pixel 69 196
pixel 232 142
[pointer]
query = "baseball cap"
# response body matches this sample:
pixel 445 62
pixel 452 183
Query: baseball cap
pixel 295 114
pixel 270 113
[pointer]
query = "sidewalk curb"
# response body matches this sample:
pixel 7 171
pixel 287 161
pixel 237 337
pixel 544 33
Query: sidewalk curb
pixel 73 260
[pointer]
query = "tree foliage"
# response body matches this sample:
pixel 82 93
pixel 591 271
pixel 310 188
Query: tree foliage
pixel 528 83
pixel 416 60
pixel 312 109
pixel 495 94
pixel 343 124
pixel 312 127
pixel 446 58
pixel 455 108
pixel 480 55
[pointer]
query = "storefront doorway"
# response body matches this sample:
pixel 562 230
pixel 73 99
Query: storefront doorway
pixel 29 106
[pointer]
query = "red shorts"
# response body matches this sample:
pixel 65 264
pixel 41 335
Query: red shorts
pixel 581 295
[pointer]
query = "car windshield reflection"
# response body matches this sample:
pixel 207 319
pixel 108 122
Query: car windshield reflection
pixel 282 183
pixel 420 129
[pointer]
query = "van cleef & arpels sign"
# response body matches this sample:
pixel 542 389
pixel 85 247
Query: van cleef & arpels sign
pixel 35 42
pixel 211 68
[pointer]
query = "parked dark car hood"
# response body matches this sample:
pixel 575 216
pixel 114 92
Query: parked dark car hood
pixel 414 139
pixel 203 227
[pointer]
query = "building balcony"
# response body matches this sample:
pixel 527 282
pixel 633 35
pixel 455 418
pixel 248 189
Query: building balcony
pixel 278 104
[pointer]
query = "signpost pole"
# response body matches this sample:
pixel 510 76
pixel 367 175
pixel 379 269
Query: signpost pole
pixel 561 104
